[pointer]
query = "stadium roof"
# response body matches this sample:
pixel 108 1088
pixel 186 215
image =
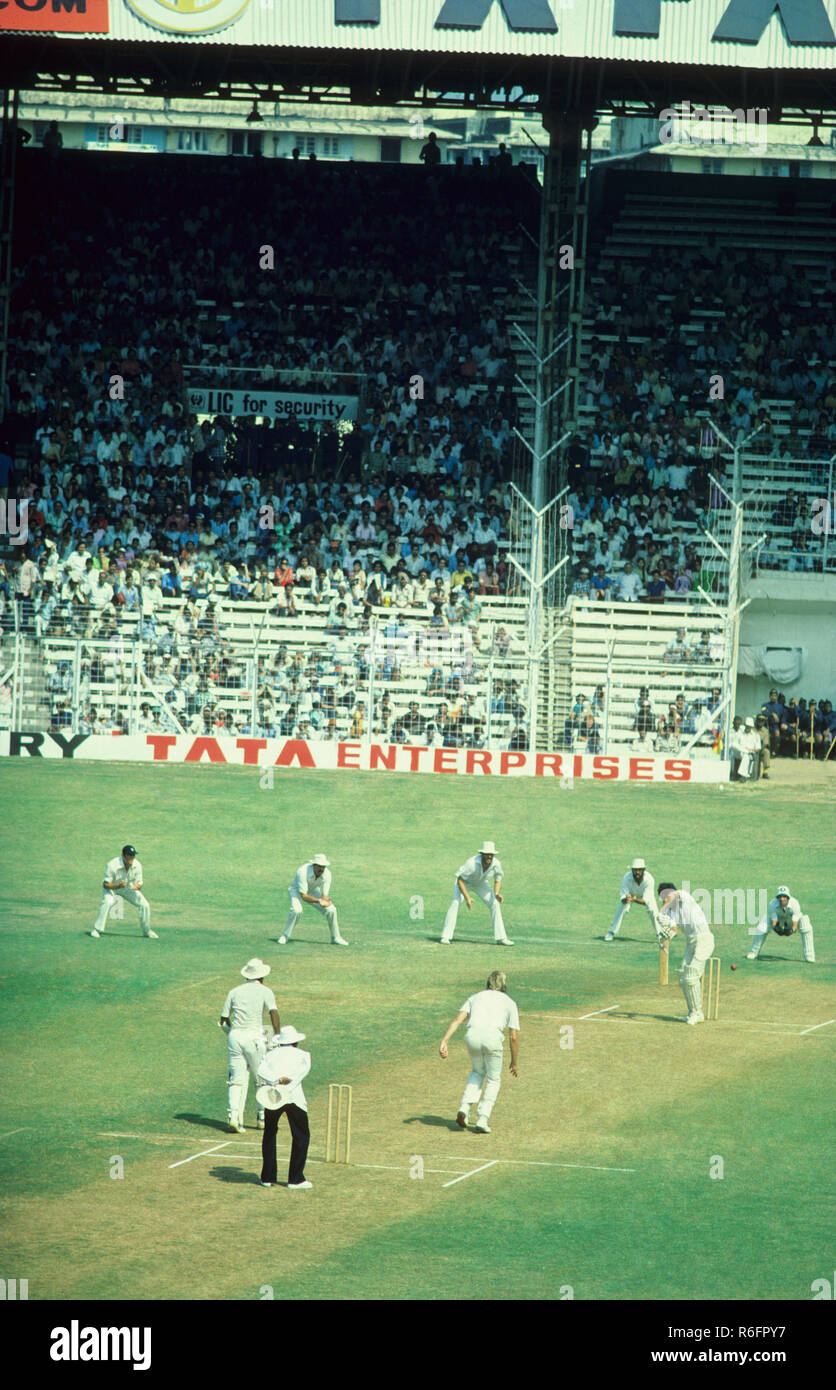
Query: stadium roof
pixel 573 55
pixel 718 149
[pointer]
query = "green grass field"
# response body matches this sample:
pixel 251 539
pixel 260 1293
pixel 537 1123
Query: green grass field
pixel 602 1152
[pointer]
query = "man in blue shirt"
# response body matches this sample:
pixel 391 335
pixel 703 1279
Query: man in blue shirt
pixel 774 714
pixel 790 727
pixel 601 583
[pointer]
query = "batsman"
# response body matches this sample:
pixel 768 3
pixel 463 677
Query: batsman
pixel 678 909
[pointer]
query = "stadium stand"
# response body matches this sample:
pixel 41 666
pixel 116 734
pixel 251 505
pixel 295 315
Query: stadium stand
pixel 173 561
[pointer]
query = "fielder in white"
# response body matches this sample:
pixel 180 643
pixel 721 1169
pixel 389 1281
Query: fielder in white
pixel 637 886
pixel 312 885
pixel 488 1014
pixel 784 916
pixel 123 879
pixel 678 909
pixel 481 874
pixel 241 1020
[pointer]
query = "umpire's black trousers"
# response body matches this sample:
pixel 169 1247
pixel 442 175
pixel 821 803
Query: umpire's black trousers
pixel 301 1137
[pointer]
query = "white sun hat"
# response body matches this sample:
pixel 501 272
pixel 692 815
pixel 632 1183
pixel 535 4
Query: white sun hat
pixel 488 847
pixel 272 1097
pixel 638 864
pixel 320 860
pixel 783 892
pixel 255 969
pixel 286 1036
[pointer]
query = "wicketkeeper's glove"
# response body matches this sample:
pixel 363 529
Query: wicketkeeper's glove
pixel 782 931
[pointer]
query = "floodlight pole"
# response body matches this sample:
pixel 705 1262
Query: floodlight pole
pixel 536 581
pixel 733 608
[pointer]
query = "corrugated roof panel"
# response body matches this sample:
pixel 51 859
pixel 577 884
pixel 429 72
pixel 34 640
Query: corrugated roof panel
pixel 585 29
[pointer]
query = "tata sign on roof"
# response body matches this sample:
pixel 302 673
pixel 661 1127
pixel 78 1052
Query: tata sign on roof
pixel 752 33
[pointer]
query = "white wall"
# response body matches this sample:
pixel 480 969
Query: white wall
pixel 791 610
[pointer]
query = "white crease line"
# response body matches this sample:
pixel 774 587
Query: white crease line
pixel 194 984
pixel 23 1129
pixel 817 1025
pixel 203 1154
pixel 630 1016
pixel 543 1163
pixel 174 1138
pixel 403 1168
pixel 600 1011
pixel 470 1174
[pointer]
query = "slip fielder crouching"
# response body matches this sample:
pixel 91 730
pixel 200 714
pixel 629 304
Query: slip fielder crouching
pixel 481 874
pixel 123 879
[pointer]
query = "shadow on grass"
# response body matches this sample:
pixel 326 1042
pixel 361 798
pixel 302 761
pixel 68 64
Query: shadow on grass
pixel 237 1175
pixel 437 1121
pixel 204 1121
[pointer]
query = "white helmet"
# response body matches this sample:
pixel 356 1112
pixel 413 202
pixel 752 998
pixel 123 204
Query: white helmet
pixel 638 864
pixel 783 892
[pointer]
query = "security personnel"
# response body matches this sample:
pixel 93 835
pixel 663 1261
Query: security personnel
pixel 774 714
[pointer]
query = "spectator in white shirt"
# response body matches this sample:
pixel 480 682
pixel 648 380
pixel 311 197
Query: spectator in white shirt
pixel 629 584
pixel 678 476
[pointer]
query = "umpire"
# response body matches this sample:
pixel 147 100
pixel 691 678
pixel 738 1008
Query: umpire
pixel 282 1072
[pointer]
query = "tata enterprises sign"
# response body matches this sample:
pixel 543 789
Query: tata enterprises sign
pixel 764 34
pixel 278 405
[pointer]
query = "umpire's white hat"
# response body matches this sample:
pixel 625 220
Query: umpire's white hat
pixel 488 847
pixel 255 969
pixel 272 1097
pixel 638 864
pixel 287 1036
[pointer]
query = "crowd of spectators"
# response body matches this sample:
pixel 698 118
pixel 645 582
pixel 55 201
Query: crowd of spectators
pixel 132 499
pixel 641 468
pixel 399 682
pixel 772 337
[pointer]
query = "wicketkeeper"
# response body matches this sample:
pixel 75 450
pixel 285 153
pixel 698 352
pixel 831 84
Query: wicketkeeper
pixel 784 917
